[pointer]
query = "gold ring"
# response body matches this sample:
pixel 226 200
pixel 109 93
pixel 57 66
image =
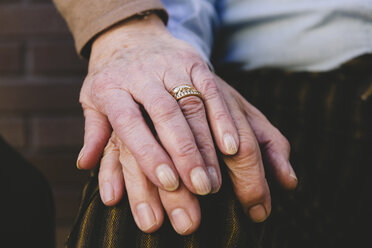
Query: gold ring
pixel 182 91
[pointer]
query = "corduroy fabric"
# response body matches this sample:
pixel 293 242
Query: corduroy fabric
pixel 330 129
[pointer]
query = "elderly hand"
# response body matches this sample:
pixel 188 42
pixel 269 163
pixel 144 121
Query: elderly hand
pixel 133 65
pixel 246 167
pixel 246 171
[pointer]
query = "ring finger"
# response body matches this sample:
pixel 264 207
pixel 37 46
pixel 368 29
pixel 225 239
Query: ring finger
pixel 193 109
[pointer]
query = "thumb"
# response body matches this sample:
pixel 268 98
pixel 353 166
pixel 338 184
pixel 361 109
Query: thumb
pixel 97 133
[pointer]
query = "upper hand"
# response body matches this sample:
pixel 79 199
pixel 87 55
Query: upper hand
pixel 134 65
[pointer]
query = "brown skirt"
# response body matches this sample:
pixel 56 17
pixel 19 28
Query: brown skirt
pixel 327 118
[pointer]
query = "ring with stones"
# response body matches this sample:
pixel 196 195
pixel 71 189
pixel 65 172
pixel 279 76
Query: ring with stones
pixel 182 91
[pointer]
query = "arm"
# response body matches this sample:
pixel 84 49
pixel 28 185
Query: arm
pixel 134 64
pixel 86 19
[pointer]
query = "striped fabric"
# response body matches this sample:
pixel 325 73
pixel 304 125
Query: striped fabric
pixel 327 118
pixel 101 226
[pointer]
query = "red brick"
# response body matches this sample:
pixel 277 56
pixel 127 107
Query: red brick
pixel 38 1
pixel 53 132
pixel 34 19
pixel 55 58
pixel 10 58
pixel 3 2
pixel 13 131
pixel 40 95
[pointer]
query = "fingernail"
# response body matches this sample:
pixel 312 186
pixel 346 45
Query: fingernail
pixel 107 192
pixel 291 172
pixel 214 179
pixel 181 220
pixel 258 213
pixel 167 177
pixel 200 181
pixel 145 216
pixel 230 144
pixel 79 157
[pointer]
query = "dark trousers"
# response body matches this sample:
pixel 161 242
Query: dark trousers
pixel 330 129
pixel 27 216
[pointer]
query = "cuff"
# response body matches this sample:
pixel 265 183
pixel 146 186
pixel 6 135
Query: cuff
pixel 84 36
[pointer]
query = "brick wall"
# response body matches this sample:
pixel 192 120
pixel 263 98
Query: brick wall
pixel 40 78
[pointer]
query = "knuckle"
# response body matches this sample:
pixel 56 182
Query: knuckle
pixel 279 142
pixel 239 119
pixel 100 90
pixel 195 63
pixel 146 151
pixel 111 147
pixel 191 58
pixel 248 147
pixel 100 82
pixel 221 115
pixel 186 149
pixel 257 193
pixel 162 109
pixel 209 88
pixel 286 144
pixel 126 118
pixel 207 148
pixel 192 107
pixel 248 152
pixel 283 141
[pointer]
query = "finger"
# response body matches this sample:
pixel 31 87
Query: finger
pixel 246 170
pixel 193 109
pixel 129 125
pixel 97 132
pixel 182 208
pixel 276 148
pixel 110 176
pixel 222 124
pixel 176 137
pixel 142 194
pixel 197 120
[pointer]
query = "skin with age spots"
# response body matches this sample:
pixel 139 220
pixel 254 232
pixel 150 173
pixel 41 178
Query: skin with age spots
pixel 134 65
pixel 245 169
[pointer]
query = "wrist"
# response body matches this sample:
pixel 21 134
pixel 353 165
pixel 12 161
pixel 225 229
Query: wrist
pixel 129 31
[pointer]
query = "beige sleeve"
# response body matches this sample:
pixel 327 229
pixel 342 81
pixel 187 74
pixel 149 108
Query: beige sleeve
pixel 87 18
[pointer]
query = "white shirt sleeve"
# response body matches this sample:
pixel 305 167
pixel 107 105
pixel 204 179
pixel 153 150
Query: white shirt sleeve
pixel 193 21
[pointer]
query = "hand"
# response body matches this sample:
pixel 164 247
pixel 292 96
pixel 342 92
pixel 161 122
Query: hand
pixel 246 167
pixel 246 171
pixel 146 200
pixel 136 64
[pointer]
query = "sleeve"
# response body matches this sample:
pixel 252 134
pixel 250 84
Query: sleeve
pixel 193 21
pixel 87 18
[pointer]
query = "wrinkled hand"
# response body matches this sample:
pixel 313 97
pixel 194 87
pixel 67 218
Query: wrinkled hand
pixel 246 171
pixel 246 168
pixel 136 64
